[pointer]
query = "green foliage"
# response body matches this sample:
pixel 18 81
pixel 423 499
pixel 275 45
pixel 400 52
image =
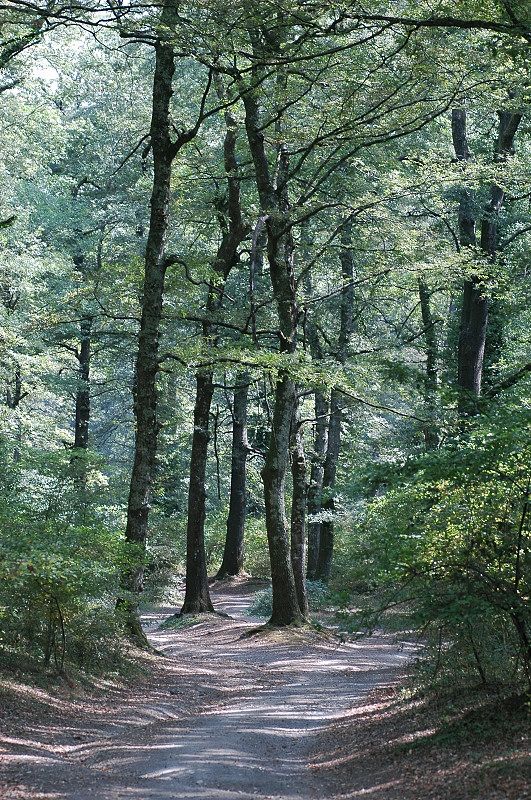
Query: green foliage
pixel 256 561
pixel 166 553
pixel 367 136
pixel 59 564
pixel 319 598
pixel 449 542
pixel 262 604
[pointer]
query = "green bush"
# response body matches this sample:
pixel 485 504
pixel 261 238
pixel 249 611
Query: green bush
pixel 319 598
pixel 449 543
pixel 262 604
pixel 59 566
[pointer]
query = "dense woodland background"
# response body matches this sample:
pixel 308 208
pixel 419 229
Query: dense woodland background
pixel 265 306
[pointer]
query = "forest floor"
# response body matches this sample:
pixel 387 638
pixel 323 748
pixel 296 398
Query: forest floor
pixel 276 716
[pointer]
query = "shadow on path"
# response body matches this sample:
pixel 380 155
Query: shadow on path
pixel 254 708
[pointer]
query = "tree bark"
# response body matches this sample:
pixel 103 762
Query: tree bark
pixel 474 311
pixel 147 364
pixel 285 601
pixel 14 396
pixel 320 442
pixel 234 230
pixel 508 123
pixel 431 434
pixel 315 489
pixel 298 519
pixel 14 392
pixel 472 335
pixel 197 597
pixel 326 545
pixel 475 307
pixel 273 201
pixel 232 563
pixel 82 419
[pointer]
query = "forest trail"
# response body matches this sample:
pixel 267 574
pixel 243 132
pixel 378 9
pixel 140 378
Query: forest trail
pixel 233 718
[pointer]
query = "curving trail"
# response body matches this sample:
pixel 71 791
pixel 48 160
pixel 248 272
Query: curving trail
pixel 232 718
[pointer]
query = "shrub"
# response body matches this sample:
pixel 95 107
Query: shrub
pixel 59 567
pixel 319 597
pixel 450 542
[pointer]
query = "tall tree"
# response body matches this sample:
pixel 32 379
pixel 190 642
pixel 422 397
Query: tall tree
pixel 475 303
pixel 272 192
pixel 326 542
pixel 234 230
pixel 164 151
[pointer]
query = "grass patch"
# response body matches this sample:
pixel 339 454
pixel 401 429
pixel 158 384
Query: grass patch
pixel 179 621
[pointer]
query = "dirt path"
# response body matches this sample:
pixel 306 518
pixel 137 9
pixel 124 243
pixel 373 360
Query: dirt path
pixel 231 718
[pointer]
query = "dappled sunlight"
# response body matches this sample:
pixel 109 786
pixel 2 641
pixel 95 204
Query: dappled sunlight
pixel 226 718
pixel 379 787
pixel 26 758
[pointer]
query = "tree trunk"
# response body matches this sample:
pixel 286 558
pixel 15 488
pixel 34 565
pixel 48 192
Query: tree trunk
pixel 431 434
pixel 298 519
pixel 232 563
pixel 197 597
pixel 507 128
pixel 315 489
pixel 472 335
pixel 14 393
pixel 147 364
pixel 14 396
pixel 82 421
pixel 285 601
pixel 320 441
pixel 234 231
pixel 326 548
pixel 474 309
pixel 274 208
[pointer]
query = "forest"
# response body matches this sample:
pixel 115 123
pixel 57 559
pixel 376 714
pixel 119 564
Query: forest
pixel 265 398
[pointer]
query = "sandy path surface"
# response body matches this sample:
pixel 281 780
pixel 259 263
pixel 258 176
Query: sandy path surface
pixel 230 717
